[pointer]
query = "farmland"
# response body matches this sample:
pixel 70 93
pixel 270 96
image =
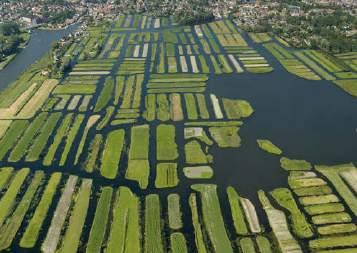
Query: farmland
pixel 154 141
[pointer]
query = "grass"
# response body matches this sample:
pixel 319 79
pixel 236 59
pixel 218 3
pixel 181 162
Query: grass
pixel 191 108
pixel 12 135
pixel 247 245
pixel 301 227
pixel 166 175
pixel 314 190
pixel 331 218
pixel 176 107
pixel 90 122
pixel 198 172
pixel 113 148
pixel 263 244
pixel 124 235
pixel 5 174
pixel 75 89
pixel 74 229
pixel 90 163
pixel 163 107
pixel 153 242
pixel 324 208
pixel 138 163
pixel 332 173
pixel 22 146
pixel 195 155
pixel 32 231
pixel 105 95
pixel 199 239
pixel 214 123
pixel 150 107
pixel 40 141
pixel 54 232
pixel 212 217
pixel 314 66
pixel 225 136
pixel 269 147
pixel 174 211
pixel 10 228
pixel 336 229
pixel 317 200
pixel 216 107
pixel 202 106
pixel 334 242
pixel 71 137
pixel 349 86
pixel 62 132
pixel 291 164
pixel 109 111
pixel 9 198
pixel 237 212
pixel 165 143
pixel 178 243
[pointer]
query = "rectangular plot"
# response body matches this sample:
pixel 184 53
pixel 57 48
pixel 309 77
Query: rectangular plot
pixel 166 175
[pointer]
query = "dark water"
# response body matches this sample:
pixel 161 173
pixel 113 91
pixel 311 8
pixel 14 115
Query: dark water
pixel 39 44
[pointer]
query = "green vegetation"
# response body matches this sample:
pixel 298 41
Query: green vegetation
pixel 195 155
pixel 165 143
pixel 125 227
pixel 247 245
pixel 109 111
pixel 153 242
pixel 174 211
pixel 290 164
pixel 200 243
pixel 166 175
pixel 324 208
pixel 212 217
pixel 192 113
pixel 5 174
pixel 299 223
pixel 237 212
pixel 334 242
pixel 202 106
pixel 198 172
pixel 8 199
pixel 178 243
pixel 12 135
pixel 31 234
pixel 350 86
pixel 269 147
pixel 330 218
pixel 263 244
pixel 225 136
pixel 12 225
pixel 61 133
pixel 105 95
pixel 163 107
pixel 314 190
pixel 40 141
pixel 112 151
pixel 236 109
pixel 75 89
pixel 316 200
pixel 336 229
pixel 91 161
pixel 73 233
pixel 138 163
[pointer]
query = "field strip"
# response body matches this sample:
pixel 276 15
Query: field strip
pixel 4 125
pixel 235 63
pixel 8 113
pixel 83 73
pixel 38 99
pixel 216 107
pixel 49 245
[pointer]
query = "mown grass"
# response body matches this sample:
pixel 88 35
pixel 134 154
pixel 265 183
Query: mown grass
pixel 331 218
pixel 263 244
pixel 109 111
pixel 73 232
pixel 236 109
pixel 174 211
pixel 334 242
pixel 166 175
pixel 178 243
pixel 202 106
pixel 105 95
pixel 298 220
pixel 90 163
pixel 113 148
pixel 9 198
pixel 324 208
pixel 124 235
pixel 40 141
pixel 198 172
pixel 247 245
pixel 336 229
pixel 269 147
pixel 212 217
pixel 237 212
pixel 32 231
pixel 163 107
pixel 166 143
pixel 313 191
pixel 349 86
pixel 5 174
pixel 153 242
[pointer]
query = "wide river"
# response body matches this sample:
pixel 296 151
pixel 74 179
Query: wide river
pixel 39 44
